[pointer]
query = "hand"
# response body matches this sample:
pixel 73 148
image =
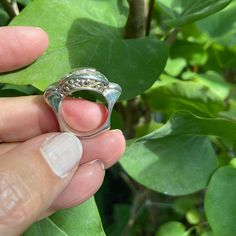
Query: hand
pixel 30 188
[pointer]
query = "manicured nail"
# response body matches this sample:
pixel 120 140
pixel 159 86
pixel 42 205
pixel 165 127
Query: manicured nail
pixel 62 153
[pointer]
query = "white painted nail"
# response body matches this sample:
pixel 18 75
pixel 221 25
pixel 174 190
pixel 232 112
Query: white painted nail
pixel 62 153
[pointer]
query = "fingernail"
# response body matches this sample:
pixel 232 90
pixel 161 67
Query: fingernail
pixel 62 153
pixel 99 162
pixel 33 33
pixel 117 131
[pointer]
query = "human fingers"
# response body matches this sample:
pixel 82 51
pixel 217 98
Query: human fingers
pixel 84 184
pixel 74 110
pixel 34 117
pixel 107 147
pixel 20 46
pixel 32 176
pixel 87 180
pixel 5 147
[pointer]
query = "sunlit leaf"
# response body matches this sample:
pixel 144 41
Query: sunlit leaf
pixel 83 220
pixel 220 202
pixel 181 12
pixel 185 95
pixel 220 27
pixel 178 158
pixel 89 34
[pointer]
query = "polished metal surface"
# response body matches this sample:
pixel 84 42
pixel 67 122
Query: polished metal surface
pixel 78 80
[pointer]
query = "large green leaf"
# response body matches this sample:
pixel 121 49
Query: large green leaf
pixel 174 66
pixel 185 123
pixel 212 80
pixel 88 33
pixel 176 159
pixel 220 202
pixel 194 53
pixel 220 27
pixel 83 220
pixel 181 12
pixel 184 95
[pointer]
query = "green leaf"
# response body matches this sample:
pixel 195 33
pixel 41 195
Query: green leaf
pixel 121 219
pixel 193 53
pixel 146 128
pixel 220 202
pixel 181 12
pixel 174 66
pixel 175 165
pixel 207 233
pixel 184 95
pixel 172 228
pixel 4 18
pixel 185 123
pixel 176 159
pixel 83 220
pixel 220 28
pixel 10 89
pixel 191 33
pixel 24 2
pixel 185 203
pixel 89 34
pixel 211 79
pixel 117 121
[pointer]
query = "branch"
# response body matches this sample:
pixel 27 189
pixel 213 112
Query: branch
pixel 172 36
pixel 136 22
pixel 149 16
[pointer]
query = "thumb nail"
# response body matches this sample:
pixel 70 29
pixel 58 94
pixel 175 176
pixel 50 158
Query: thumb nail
pixel 62 153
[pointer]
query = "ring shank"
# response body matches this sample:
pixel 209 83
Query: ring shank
pixel 84 79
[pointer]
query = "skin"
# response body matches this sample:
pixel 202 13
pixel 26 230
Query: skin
pixel 25 123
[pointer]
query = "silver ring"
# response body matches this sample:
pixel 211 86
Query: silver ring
pixel 78 80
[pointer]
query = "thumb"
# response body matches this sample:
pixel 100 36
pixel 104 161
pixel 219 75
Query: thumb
pixel 32 175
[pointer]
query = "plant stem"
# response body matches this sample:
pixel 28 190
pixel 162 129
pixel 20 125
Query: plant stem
pixel 138 202
pixel 149 16
pixel 136 22
pixel 135 28
pixel 172 36
pixel 130 113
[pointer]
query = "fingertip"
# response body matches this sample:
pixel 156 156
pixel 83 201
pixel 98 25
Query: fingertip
pixel 84 184
pixel 83 115
pixel 42 40
pixel 108 147
pixel 20 46
pixel 116 144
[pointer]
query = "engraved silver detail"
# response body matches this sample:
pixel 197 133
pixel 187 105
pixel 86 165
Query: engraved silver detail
pixel 78 80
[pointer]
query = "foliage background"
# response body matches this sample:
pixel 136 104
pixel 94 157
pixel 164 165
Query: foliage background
pixel 175 60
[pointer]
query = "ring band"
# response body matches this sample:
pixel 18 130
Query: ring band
pixel 78 80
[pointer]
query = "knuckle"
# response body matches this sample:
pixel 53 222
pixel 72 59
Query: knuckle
pixel 14 197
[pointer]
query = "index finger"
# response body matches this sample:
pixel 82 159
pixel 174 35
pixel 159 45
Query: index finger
pixel 22 118
pixel 20 46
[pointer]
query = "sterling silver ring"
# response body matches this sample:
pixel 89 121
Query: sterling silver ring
pixel 78 80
